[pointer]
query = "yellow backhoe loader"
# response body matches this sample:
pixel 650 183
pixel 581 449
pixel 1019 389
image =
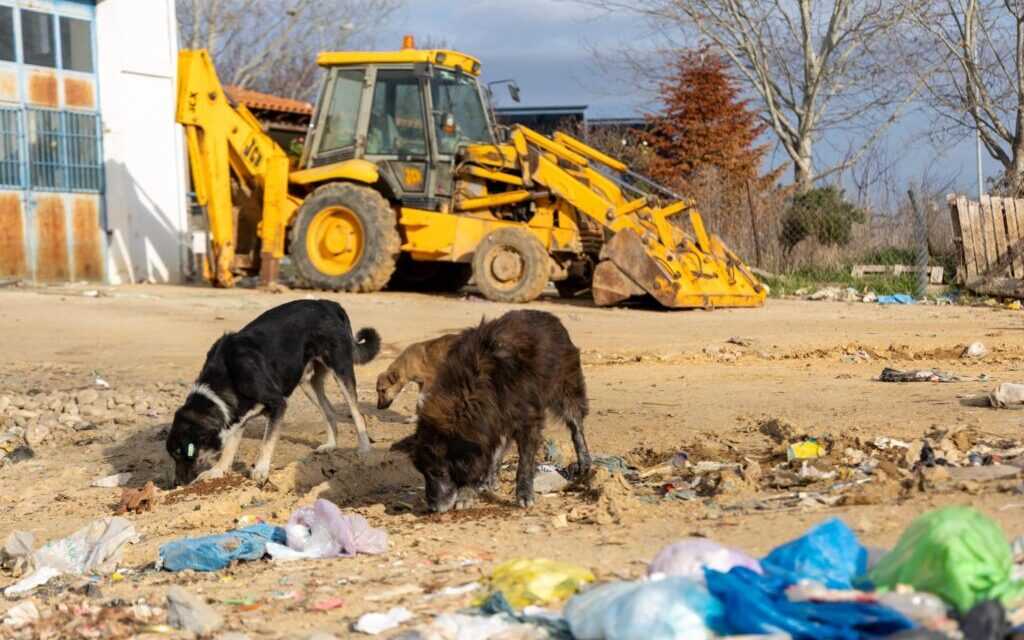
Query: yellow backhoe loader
pixel 405 176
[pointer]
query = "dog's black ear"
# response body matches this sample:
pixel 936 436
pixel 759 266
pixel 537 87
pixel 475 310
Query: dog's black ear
pixel 406 445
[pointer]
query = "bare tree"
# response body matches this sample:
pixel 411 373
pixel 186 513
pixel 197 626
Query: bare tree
pixel 972 63
pixel 817 66
pixel 271 45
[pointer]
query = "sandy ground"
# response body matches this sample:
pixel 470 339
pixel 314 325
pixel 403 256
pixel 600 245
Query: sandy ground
pixel 659 382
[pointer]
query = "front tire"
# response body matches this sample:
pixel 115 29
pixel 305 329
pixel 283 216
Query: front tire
pixel 511 265
pixel 345 238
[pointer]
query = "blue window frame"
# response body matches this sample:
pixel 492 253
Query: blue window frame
pixel 64 151
pixel 11 162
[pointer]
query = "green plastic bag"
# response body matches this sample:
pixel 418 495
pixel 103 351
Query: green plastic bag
pixel 537 581
pixel 956 553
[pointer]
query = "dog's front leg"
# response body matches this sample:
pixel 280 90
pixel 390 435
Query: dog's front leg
pixel 261 470
pixel 230 441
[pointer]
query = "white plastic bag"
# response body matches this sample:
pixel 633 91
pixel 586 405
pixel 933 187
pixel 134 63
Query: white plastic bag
pixel 670 609
pixel 323 531
pixel 688 558
pixel 95 548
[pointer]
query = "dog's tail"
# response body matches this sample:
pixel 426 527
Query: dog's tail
pixel 366 345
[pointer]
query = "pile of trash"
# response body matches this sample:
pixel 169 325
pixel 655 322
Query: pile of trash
pixel 950 575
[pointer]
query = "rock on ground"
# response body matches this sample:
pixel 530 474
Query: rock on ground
pixel 189 612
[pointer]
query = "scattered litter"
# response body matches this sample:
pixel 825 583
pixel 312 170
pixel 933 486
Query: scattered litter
pixel 327 604
pixel 95 548
pixel 212 553
pixel 555 626
pixel 974 350
pixel 189 612
pixel 955 553
pixel 1006 395
pixel 688 558
pixel 920 375
pixel 460 590
pixel 14 448
pixel 537 581
pixel 375 623
pixel 549 482
pixel 614 464
pixel 110 482
pixel 896 298
pixel 459 626
pixel 323 531
pixel 21 615
pixel 671 608
pixel 138 500
pixel 101 383
pixel 805 450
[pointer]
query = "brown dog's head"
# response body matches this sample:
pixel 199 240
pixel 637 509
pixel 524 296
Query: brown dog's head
pixel 389 385
pixel 447 461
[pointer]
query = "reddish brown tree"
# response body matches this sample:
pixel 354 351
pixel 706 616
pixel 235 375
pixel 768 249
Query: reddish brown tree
pixel 706 125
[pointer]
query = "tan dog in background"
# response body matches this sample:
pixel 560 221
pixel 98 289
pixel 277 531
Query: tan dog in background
pixel 418 363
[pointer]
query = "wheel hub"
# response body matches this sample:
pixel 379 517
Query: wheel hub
pixel 507 266
pixel 334 240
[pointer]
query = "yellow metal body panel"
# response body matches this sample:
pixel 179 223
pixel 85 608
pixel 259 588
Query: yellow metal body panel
pixel 355 170
pixel 440 57
pixel 433 236
pixel 223 141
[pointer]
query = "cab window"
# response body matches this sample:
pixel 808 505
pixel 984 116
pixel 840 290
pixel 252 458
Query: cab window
pixel 397 123
pixel 339 128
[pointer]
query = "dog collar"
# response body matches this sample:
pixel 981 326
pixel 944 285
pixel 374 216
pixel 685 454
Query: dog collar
pixel 209 394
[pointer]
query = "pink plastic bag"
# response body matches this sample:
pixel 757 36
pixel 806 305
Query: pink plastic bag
pixel 323 531
pixel 689 556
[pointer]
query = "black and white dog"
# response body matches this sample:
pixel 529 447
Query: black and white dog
pixel 254 371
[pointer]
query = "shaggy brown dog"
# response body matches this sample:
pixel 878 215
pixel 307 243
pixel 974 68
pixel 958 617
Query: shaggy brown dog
pixel 418 363
pixel 495 387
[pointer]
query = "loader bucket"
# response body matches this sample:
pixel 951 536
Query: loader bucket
pixel 688 276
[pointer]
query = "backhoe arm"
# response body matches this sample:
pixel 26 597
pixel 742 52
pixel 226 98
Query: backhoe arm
pixel 223 142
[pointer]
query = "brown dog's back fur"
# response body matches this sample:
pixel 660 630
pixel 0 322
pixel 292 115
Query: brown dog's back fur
pixel 494 388
pixel 418 363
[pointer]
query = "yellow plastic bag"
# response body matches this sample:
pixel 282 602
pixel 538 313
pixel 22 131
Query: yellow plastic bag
pixel 537 581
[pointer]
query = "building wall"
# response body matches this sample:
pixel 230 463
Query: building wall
pixel 144 155
pixel 51 177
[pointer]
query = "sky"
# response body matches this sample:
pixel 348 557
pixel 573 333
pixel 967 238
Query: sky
pixel 548 47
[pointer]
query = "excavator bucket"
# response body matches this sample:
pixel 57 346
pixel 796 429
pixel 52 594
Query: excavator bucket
pixel 692 277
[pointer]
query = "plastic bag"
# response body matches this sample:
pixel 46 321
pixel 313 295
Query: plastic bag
pixel 323 531
pixel 956 553
pixel 95 548
pixel 459 626
pixel 537 581
pixel 673 608
pixel 758 604
pixel 688 557
pixel 829 553
pixel 211 553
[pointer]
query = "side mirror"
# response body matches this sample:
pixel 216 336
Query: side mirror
pixel 448 124
pixel 513 90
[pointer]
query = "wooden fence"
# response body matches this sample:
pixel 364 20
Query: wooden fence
pixel 990 240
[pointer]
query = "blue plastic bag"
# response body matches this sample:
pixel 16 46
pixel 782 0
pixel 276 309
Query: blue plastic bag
pixel 829 553
pixel 673 608
pixel 216 552
pixel 756 604
pixel 896 298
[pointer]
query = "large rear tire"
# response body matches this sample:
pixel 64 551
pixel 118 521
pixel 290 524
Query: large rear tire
pixel 345 238
pixel 511 265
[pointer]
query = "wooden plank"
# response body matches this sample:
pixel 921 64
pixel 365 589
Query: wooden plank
pixel 988 226
pixel 1014 237
pixel 999 228
pixel 972 239
pixel 956 206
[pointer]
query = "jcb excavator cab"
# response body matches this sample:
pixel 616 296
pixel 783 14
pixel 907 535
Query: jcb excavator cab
pixel 408 119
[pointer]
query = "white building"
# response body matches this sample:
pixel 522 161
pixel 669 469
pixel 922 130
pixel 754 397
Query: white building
pixel 92 164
